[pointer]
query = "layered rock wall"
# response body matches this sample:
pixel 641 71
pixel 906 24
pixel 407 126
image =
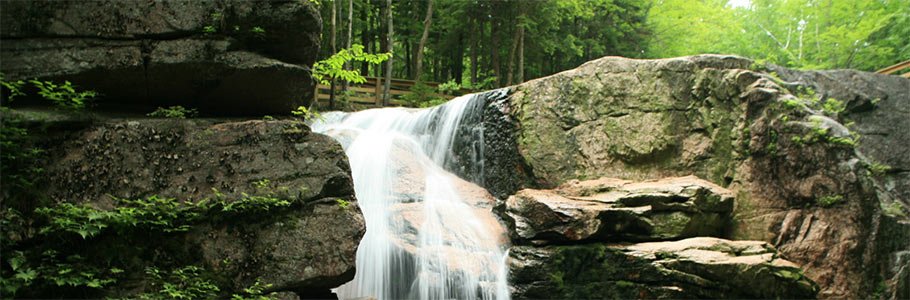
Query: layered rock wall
pixel 224 57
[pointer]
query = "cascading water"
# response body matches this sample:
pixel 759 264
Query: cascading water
pixel 430 234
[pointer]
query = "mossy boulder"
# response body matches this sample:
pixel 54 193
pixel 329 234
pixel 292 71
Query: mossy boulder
pixel 240 201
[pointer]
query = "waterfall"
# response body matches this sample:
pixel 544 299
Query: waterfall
pixel 430 234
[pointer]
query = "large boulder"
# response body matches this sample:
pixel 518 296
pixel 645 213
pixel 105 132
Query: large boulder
pixel 226 57
pixel 305 247
pixel 809 178
pixel 686 269
pixel 618 210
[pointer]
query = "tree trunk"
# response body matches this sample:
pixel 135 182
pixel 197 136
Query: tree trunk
pixel 474 33
pixel 494 52
pixel 386 97
pixel 334 50
pixel 521 55
pixel 512 52
pixel 423 40
pixel 348 65
pixel 365 37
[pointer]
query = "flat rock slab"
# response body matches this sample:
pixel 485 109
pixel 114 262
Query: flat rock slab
pixel 691 268
pixel 618 210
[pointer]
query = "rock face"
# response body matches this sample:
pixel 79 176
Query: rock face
pixel 228 57
pixel 572 226
pixel 692 268
pixel 804 182
pixel 303 249
pixel 618 210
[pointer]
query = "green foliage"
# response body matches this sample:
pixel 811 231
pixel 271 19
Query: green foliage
pixel 14 88
pixel 878 169
pixel 188 282
pixel 449 87
pixel 422 95
pixel 255 292
pixel 343 203
pixel 79 219
pixel 51 269
pixel 813 34
pixel 306 114
pixel 253 204
pixel 829 200
pixel 833 107
pixel 153 213
pixel 332 68
pixel 817 134
pixel 894 209
pixel 20 162
pixel 173 112
pixel 64 95
pixel 268 118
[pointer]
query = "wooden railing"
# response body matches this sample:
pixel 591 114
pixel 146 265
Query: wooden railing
pixel 895 68
pixel 369 93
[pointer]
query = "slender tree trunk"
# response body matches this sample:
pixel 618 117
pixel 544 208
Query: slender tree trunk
pixel 494 52
pixel 474 33
pixel 459 59
pixel 386 97
pixel 521 55
pixel 365 37
pixel 348 65
pixel 512 52
pixel 423 40
pixel 334 50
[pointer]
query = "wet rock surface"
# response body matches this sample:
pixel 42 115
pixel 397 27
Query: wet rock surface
pixel 617 210
pixel 222 57
pixel 686 269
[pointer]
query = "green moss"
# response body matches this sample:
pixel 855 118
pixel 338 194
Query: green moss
pixel 894 209
pixel 670 225
pixel 878 169
pixel 830 200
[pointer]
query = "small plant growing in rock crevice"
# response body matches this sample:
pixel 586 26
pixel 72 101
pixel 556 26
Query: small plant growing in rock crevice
pixel 830 200
pixel 173 112
pixel 343 203
pixel 307 114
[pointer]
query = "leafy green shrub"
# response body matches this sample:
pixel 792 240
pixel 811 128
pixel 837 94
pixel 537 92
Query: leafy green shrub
pixel 255 292
pixel 333 67
pixel 63 95
pixel 47 269
pixel 188 282
pixel 14 88
pixel 20 162
pixel 449 88
pixel 173 112
pixel 306 113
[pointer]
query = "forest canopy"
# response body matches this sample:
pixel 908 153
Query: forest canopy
pixel 484 44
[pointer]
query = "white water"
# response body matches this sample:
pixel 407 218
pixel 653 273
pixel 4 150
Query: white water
pixel 430 234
